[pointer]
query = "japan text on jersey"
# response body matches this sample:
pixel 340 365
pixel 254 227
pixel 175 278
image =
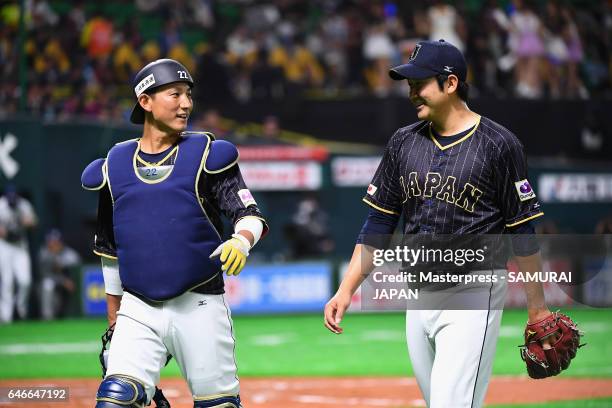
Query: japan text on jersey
pixel 477 184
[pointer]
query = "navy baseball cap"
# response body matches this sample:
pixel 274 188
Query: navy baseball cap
pixel 153 75
pixel 431 58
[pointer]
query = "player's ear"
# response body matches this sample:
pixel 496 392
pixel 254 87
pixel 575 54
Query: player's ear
pixel 452 83
pixel 145 101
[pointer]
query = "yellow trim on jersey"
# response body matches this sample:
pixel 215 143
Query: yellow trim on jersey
pixel 455 142
pixel 525 220
pixel 101 184
pixel 214 396
pixel 144 180
pixel 197 180
pixel 108 183
pixel 110 190
pixel 379 208
pixel 100 254
pixel 199 284
pixel 158 163
pixel 220 170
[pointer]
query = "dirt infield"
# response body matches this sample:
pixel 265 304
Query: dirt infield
pixel 357 392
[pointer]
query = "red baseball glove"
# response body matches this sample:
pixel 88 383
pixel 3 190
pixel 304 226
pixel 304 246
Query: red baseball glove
pixel 542 363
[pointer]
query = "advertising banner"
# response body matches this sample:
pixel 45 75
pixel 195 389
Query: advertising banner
pixel 354 171
pixel 280 288
pixel 575 188
pixel 282 175
pixel 92 292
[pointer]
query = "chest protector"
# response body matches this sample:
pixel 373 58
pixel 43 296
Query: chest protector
pixel 164 237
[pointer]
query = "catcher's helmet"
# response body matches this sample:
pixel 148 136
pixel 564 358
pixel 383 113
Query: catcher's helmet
pixel 153 75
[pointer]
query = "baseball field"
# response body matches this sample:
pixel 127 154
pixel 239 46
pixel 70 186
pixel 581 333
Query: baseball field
pixel 292 361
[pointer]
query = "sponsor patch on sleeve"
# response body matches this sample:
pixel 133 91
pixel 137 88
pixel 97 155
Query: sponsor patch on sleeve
pixel 246 197
pixel 372 189
pixel 524 190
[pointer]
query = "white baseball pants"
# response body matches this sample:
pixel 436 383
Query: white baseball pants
pixel 196 329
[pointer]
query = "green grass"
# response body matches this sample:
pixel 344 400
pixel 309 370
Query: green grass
pixel 594 403
pixel 295 345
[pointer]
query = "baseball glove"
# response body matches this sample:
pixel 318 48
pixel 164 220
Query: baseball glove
pixel 542 363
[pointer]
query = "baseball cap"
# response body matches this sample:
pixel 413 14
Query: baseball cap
pixel 431 58
pixel 53 235
pixel 153 75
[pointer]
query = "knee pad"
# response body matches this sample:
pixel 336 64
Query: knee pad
pixel 118 391
pixel 218 401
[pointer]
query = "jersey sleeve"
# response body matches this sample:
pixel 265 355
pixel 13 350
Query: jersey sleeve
pixel 104 241
pixel 232 197
pixel 384 192
pixel 516 197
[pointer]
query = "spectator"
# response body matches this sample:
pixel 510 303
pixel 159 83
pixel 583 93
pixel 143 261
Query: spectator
pixel 378 50
pixel 126 60
pixel 271 129
pixel 557 52
pixel 604 226
pixel 214 77
pixel 58 286
pixel 77 15
pixel 575 87
pixel 308 233
pixel 488 45
pixel 280 49
pixel 299 65
pixel 97 37
pixel 170 37
pixel 267 81
pixel 211 122
pixel 527 44
pixel 445 23
pixel 16 218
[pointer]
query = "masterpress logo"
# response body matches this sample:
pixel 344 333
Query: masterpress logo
pixel 8 165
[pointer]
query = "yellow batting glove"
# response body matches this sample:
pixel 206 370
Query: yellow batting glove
pixel 233 254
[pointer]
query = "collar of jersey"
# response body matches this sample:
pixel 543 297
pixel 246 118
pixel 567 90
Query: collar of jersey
pixel 137 158
pixel 157 163
pixel 456 142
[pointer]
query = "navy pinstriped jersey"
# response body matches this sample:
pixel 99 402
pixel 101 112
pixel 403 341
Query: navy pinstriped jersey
pixel 476 185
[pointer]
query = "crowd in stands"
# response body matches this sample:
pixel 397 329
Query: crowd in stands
pixel 80 56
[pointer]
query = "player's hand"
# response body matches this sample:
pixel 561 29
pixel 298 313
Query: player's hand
pixel 535 316
pixel 334 311
pixel 233 254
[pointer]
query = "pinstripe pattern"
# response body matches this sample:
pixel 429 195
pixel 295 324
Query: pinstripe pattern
pixel 465 188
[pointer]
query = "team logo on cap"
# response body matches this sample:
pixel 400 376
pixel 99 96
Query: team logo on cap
pixel 415 52
pixel 144 84
pixel 524 190
pixel 448 68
